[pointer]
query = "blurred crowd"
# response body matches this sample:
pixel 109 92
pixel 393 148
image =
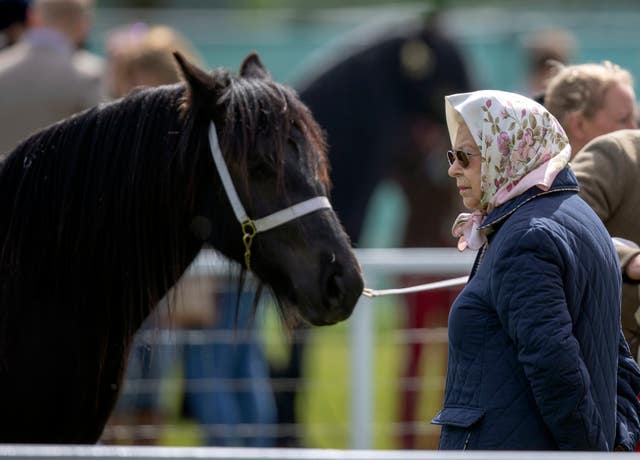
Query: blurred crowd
pixel 382 107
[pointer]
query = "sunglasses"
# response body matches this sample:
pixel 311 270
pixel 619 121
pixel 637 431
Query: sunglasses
pixel 461 156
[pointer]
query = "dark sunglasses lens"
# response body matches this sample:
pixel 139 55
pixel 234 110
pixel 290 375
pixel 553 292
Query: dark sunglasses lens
pixel 450 157
pixel 461 156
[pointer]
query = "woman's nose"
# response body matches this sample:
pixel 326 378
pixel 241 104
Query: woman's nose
pixel 454 169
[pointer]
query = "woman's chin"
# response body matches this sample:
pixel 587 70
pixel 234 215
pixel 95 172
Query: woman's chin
pixel 472 204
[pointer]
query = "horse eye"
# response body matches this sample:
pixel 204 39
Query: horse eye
pixel 261 167
pixel 260 171
pixel 294 145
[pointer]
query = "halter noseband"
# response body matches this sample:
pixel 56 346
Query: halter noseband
pixel 252 227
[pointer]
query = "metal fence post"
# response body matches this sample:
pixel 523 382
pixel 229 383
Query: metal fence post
pixel 362 342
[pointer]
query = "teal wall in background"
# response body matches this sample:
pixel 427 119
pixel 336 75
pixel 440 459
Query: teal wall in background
pixel 492 39
pixel 286 39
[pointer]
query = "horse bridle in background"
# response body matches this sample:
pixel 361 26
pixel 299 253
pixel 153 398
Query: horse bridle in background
pixel 251 227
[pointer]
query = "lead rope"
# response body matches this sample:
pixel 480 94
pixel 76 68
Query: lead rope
pixel 461 281
pixel 419 288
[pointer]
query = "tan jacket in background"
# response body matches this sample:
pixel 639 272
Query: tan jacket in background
pixel 608 170
pixel 40 84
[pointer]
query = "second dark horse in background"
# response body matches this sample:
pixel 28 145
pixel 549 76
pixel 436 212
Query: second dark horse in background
pixel 103 212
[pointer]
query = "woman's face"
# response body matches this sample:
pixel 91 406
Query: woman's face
pixel 467 179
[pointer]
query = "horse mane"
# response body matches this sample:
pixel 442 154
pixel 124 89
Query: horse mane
pixel 97 208
pixel 80 213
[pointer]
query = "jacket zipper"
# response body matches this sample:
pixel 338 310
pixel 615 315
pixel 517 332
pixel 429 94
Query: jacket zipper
pixel 479 258
pixel 466 441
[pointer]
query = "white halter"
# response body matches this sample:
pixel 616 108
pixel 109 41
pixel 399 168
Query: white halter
pixel 251 227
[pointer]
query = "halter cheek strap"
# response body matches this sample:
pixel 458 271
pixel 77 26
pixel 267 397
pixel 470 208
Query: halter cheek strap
pixel 252 227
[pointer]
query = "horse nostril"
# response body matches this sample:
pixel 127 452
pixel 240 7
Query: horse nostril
pixel 342 285
pixel 335 290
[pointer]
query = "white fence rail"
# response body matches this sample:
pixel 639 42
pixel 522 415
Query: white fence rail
pixel 374 262
pixel 24 452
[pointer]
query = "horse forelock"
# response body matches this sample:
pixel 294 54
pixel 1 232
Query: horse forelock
pixel 260 114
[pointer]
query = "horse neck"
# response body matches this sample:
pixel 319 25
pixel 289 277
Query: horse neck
pixel 100 218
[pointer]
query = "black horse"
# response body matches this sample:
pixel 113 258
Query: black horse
pixel 103 212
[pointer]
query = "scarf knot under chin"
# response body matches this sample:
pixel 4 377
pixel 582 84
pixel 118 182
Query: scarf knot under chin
pixel 465 228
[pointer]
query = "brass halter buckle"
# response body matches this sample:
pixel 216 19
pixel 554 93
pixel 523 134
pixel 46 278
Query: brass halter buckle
pixel 248 232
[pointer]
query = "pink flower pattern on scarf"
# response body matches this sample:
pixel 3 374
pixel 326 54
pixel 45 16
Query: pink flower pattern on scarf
pixel 521 143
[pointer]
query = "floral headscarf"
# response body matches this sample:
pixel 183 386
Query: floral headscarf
pixel 522 145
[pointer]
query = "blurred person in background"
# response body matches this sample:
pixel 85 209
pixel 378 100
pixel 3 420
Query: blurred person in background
pixel 40 80
pixel 544 50
pixel 379 100
pixel 590 100
pixel 537 360
pixel 13 21
pixel 226 376
pixel 141 55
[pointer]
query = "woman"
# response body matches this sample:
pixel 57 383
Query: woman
pixel 534 337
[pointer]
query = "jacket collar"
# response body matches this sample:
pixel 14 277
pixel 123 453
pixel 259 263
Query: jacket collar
pixel 565 182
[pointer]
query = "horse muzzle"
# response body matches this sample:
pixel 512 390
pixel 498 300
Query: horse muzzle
pixel 341 285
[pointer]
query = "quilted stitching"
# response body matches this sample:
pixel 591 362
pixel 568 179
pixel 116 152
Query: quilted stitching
pixel 490 378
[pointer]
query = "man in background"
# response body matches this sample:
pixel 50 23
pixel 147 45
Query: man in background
pixel 592 101
pixel 607 169
pixel 42 80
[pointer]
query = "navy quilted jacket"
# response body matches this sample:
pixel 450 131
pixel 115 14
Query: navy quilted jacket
pixel 536 354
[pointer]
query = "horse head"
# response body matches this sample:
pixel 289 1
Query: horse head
pixel 276 157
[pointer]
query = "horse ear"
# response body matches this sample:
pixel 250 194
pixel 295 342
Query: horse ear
pixel 203 89
pixel 252 67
